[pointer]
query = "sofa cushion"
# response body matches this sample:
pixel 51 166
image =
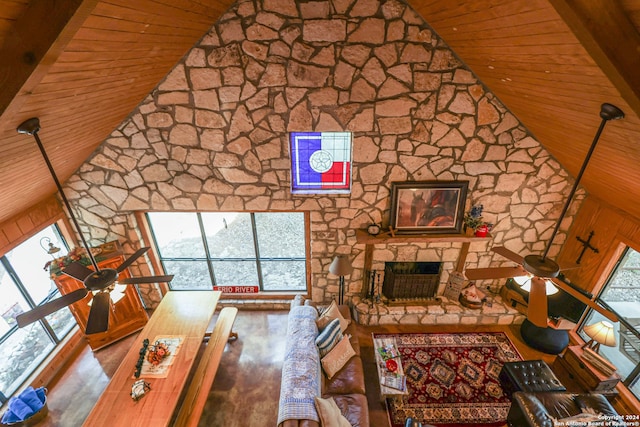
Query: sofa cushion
pixel 329 413
pixel 330 313
pixel 336 359
pixel 329 337
pixel 350 379
pixel 354 407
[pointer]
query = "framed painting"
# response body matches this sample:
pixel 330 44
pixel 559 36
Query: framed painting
pixel 428 207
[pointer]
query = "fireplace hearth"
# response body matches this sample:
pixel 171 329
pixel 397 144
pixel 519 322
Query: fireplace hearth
pixel 411 281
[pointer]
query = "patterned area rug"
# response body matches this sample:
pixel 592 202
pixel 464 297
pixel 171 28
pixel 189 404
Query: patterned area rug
pixel 452 379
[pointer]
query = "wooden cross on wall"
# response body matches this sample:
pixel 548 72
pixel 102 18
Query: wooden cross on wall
pixel 586 244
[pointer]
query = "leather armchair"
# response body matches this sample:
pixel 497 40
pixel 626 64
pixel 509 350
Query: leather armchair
pixel 538 409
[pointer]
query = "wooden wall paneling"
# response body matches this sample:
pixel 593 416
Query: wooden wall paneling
pixel 589 218
pixel 608 39
pixel 4 240
pixel 42 31
pixel 19 228
pixel 612 231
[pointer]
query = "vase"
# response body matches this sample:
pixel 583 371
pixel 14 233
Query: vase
pixel 482 231
pixel 469 231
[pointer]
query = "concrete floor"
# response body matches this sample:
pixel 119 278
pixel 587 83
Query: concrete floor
pixel 247 386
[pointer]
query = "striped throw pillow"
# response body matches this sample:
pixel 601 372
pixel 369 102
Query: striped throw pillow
pixel 329 337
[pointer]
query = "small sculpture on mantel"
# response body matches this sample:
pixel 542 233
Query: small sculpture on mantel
pixel 472 297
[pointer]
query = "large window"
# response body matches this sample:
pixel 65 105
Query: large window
pixel 621 294
pixel 24 283
pixel 202 250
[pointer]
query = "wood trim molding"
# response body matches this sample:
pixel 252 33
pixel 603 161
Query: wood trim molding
pixel 607 34
pixel 21 227
pixel 36 40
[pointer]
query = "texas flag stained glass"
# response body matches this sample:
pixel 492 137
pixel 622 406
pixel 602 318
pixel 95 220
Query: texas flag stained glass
pixel 320 162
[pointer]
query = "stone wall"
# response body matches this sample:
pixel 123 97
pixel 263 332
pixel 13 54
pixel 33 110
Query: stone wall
pixel 213 136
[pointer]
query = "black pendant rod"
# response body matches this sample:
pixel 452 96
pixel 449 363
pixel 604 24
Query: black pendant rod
pixel 607 112
pixel 31 127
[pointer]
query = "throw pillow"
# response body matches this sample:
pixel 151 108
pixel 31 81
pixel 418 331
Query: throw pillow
pixel 329 413
pixel 337 357
pixel 329 337
pixel 331 313
pixel 322 323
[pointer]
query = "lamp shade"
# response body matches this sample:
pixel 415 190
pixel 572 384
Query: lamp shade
pixel 341 266
pixel 525 283
pixel 601 332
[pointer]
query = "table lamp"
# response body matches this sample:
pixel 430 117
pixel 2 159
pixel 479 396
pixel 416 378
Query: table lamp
pixel 600 333
pixel 341 266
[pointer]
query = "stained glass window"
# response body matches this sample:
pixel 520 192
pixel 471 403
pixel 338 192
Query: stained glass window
pixel 320 162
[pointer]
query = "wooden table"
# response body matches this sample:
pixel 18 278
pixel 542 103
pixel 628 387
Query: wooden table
pixel 585 374
pixel 382 370
pixel 185 313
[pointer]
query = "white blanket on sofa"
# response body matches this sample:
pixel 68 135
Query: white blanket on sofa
pixel 301 368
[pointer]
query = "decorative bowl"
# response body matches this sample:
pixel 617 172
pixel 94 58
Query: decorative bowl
pixel 392 365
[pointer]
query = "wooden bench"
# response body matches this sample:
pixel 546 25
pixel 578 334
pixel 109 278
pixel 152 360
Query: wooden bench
pixel 196 395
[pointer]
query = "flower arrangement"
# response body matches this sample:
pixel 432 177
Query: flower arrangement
pixel 473 221
pixel 473 218
pixel 57 265
pixel 157 353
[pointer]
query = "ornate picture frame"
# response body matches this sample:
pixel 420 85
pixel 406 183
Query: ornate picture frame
pixel 428 207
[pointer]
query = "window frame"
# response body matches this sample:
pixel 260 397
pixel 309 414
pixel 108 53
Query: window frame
pixel 608 275
pixel 157 259
pixel 55 340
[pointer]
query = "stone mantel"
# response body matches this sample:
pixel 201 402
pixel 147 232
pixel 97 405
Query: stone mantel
pixel 381 239
pixel 444 312
pixel 362 237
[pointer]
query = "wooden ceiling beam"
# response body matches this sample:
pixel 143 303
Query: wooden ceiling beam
pixel 612 41
pixel 32 46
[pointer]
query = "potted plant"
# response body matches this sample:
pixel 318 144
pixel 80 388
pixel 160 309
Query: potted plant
pixel 473 222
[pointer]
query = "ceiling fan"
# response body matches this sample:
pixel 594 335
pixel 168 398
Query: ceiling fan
pixel 100 281
pixel 539 269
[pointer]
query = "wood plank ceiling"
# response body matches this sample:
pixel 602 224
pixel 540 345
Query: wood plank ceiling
pixel 83 69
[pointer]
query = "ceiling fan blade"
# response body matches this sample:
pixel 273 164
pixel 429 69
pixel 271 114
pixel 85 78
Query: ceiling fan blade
pixel 77 271
pixel 127 262
pixel 99 314
pixel 494 273
pixel 584 299
pixel 509 254
pixel 52 306
pixel 537 311
pixel 146 279
pixel 569 267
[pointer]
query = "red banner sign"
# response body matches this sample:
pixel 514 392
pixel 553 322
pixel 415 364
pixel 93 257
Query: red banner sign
pixel 236 289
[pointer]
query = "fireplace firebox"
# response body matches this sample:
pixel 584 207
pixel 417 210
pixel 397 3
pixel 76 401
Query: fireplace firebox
pixel 411 280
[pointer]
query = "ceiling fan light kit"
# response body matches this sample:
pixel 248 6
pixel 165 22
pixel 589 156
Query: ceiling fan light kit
pixel 99 281
pixel 540 268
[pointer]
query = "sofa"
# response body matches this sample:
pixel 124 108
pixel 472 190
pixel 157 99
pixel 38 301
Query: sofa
pixel 304 378
pixel 546 409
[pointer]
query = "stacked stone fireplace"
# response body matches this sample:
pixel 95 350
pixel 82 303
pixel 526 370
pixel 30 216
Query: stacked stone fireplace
pixel 411 281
